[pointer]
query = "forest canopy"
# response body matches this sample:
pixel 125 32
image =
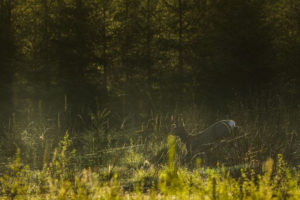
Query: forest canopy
pixel 147 56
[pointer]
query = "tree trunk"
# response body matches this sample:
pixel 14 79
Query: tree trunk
pixel 105 60
pixel 6 67
pixel 148 48
pixel 180 56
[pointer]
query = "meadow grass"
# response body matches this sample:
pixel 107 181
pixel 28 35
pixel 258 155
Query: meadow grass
pixel 124 161
pixel 60 179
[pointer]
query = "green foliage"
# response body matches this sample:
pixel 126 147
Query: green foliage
pixel 171 179
pixel 15 180
pixel 61 170
pixel 59 180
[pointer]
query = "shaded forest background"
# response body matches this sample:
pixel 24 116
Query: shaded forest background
pixel 136 58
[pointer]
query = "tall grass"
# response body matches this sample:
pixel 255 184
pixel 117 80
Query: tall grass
pixel 59 180
pixel 268 128
pixel 120 159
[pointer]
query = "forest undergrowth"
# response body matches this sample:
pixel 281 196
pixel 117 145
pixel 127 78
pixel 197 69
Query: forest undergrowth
pixel 46 160
pixel 61 179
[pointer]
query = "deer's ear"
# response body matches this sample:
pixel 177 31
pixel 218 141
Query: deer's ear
pixel 173 126
pixel 182 123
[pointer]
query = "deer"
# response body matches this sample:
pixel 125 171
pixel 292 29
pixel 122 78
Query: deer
pixel 201 141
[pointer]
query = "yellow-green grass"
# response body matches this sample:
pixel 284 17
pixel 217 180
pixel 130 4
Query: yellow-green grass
pixel 59 180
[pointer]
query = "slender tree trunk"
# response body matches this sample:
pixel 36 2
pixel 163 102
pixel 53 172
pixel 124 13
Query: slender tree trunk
pixel 46 74
pixel 80 46
pixel 6 67
pixel 124 58
pixel 180 56
pixel 45 30
pixel 105 60
pixel 148 48
pixel 45 26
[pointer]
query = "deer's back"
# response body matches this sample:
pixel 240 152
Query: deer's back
pixel 212 134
